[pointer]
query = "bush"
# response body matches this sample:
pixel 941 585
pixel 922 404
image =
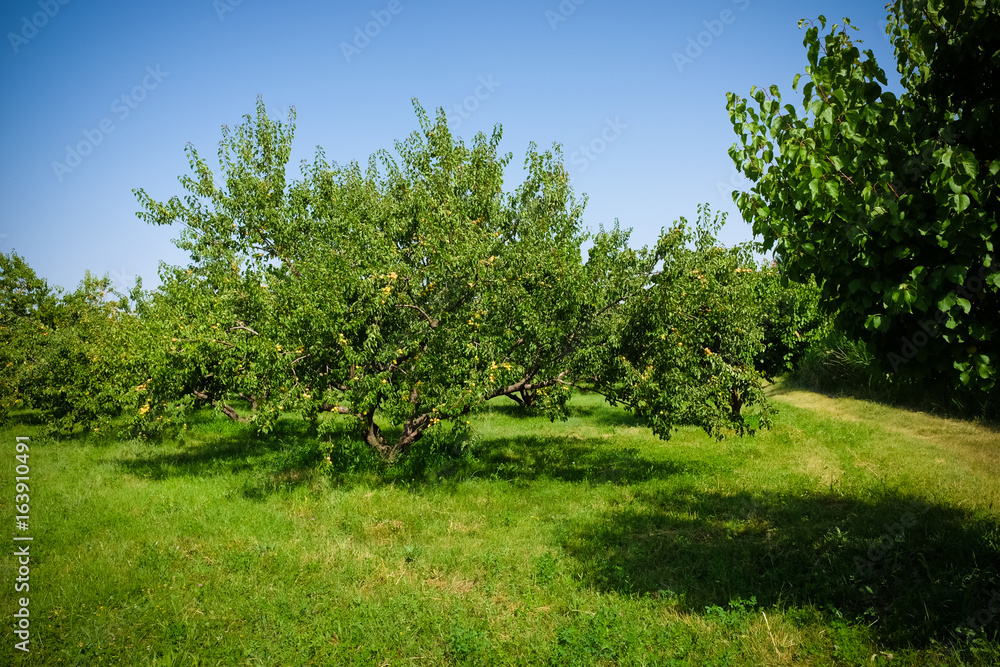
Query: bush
pixel 839 365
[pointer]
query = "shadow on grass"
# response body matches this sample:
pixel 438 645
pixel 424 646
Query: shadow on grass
pixel 913 572
pixel 601 414
pixel 506 408
pixel 21 418
pixel 290 455
pixel 275 461
pixel 605 415
pixel 573 459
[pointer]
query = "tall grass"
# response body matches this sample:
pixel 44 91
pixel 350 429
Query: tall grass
pixel 825 541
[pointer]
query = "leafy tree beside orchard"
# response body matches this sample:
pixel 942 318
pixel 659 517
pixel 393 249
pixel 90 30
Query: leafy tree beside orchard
pixel 407 294
pixel 890 202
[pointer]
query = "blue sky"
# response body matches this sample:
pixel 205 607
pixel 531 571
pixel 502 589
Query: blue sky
pixel 134 82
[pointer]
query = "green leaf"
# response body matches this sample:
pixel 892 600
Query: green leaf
pixel 960 202
pixel 956 274
pixel 814 187
pixel 965 163
pixel 826 206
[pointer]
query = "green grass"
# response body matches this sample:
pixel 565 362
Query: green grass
pixel 586 542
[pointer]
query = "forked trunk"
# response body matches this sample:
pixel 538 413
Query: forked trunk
pixel 413 430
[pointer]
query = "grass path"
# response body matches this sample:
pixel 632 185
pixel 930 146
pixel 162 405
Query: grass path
pixel 969 450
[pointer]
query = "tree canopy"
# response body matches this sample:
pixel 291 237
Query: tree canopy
pixel 408 294
pixel 889 201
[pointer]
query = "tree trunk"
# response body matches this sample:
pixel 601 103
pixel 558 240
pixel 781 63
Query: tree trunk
pixel 376 440
pixel 227 410
pixel 736 404
pixel 529 398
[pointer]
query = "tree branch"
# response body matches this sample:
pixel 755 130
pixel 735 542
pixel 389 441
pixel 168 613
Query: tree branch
pixel 339 409
pixel 524 385
pixel 420 310
pixel 227 410
pixel 240 325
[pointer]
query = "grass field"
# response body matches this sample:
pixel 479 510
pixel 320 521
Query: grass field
pixel 849 534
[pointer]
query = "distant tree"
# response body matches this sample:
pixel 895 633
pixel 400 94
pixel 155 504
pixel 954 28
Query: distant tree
pixel 685 350
pixel 76 376
pixel 889 202
pixel 793 321
pixel 27 306
pixel 62 353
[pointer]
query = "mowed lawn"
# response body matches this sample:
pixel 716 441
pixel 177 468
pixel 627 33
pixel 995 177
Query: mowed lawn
pixel 849 534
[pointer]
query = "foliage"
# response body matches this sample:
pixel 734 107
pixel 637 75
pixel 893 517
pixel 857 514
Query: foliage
pixel 838 364
pixel 66 354
pixel 409 294
pixel 686 348
pixel 26 318
pixel 72 375
pixel 890 202
pixel 793 321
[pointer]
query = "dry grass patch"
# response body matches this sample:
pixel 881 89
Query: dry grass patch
pixel 453 586
pixel 820 464
pixel 768 641
pixel 383 532
pixel 459 527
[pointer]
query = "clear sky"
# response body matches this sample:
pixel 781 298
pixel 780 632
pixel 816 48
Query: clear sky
pixel 640 84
